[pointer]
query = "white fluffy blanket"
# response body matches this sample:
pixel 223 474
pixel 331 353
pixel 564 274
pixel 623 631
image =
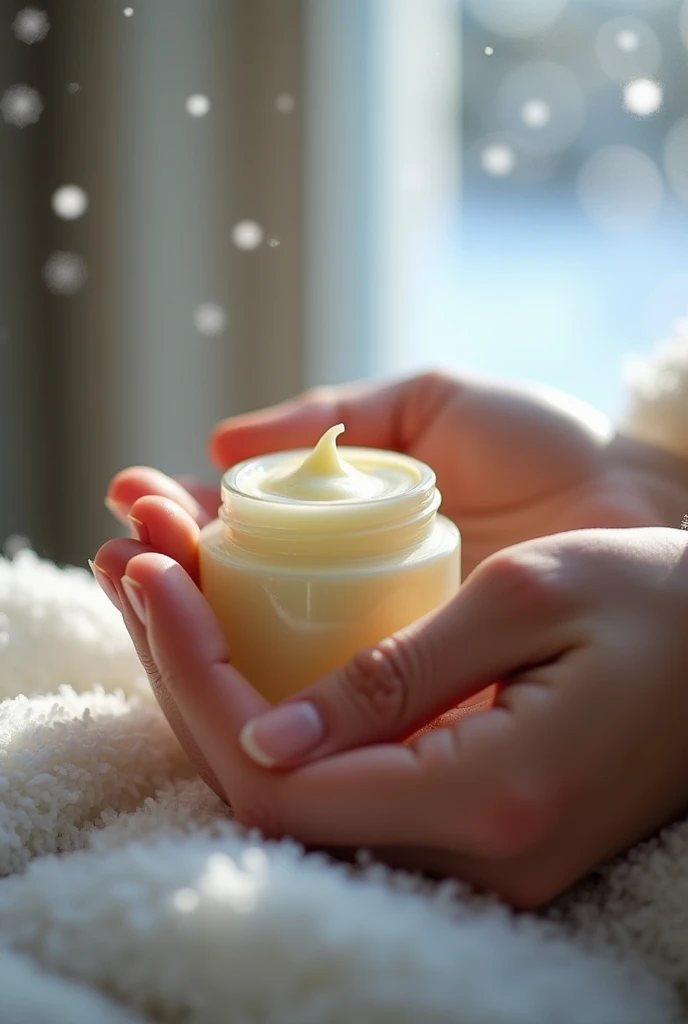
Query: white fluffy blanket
pixel 129 895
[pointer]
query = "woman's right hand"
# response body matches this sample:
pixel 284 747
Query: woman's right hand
pixel 583 754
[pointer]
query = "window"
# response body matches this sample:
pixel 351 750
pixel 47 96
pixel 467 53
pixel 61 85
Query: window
pixel 567 250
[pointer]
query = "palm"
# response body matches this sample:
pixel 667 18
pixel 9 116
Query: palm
pixel 512 466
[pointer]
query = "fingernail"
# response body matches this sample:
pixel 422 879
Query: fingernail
pixel 106 583
pixel 286 734
pixel 119 509
pixel 134 592
pixel 140 529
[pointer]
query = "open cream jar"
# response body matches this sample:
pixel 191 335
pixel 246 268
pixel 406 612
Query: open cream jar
pixel 316 555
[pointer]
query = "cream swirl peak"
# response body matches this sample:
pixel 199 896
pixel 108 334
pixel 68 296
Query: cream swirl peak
pixel 325 474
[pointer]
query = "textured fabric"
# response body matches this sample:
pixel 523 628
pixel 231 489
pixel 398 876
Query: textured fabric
pixel 658 392
pixel 128 895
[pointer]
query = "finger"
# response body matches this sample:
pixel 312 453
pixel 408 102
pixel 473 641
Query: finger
pixel 192 657
pixel 166 527
pixel 378 416
pixel 207 496
pixel 505 617
pixel 459 787
pixel 136 482
pixel 476 788
pixel 111 562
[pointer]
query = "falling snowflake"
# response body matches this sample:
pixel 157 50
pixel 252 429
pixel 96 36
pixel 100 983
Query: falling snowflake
pixel 285 103
pixel 627 40
pixel 197 105
pixel 273 242
pixel 128 11
pixel 31 25
pixel 210 319
pixel 536 113
pixel 498 159
pixel 73 87
pixel 247 234
pixel 489 50
pixel 65 273
pixel 643 96
pixel 69 202
pixel 21 105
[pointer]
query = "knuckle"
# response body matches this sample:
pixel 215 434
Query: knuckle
pixel 518 819
pixel 377 682
pixel 527 579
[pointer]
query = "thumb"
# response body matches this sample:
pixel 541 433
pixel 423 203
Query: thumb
pixel 378 416
pixel 507 616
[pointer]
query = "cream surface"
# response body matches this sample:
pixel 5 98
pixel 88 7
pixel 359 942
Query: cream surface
pixel 327 475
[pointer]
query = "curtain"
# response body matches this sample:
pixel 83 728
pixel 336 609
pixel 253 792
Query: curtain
pixel 128 331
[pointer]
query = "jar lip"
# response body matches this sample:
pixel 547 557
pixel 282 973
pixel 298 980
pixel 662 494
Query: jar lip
pixel 426 484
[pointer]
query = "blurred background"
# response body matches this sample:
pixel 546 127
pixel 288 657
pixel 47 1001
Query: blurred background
pixel 208 205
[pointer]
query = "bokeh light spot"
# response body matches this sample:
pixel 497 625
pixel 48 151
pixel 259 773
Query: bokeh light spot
pixel 247 234
pixel 542 106
pixel 620 188
pixel 210 319
pixel 536 113
pixel 69 202
pixel 643 96
pixel 285 103
pixel 65 273
pixel 498 159
pixel 31 25
pixel 197 105
pixel 628 48
pixel 21 105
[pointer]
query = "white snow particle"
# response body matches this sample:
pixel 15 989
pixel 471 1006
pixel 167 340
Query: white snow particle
pixel 643 96
pixel 65 273
pixel 627 40
pixel 285 103
pixel 536 113
pixel 210 319
pixel 247 234
pixel 197 105
pixel 21 105
pixel 69 202
pixel 31 25
pixel 498 160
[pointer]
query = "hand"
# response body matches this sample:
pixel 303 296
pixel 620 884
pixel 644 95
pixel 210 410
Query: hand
pixel 512 463
pixel 583 754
